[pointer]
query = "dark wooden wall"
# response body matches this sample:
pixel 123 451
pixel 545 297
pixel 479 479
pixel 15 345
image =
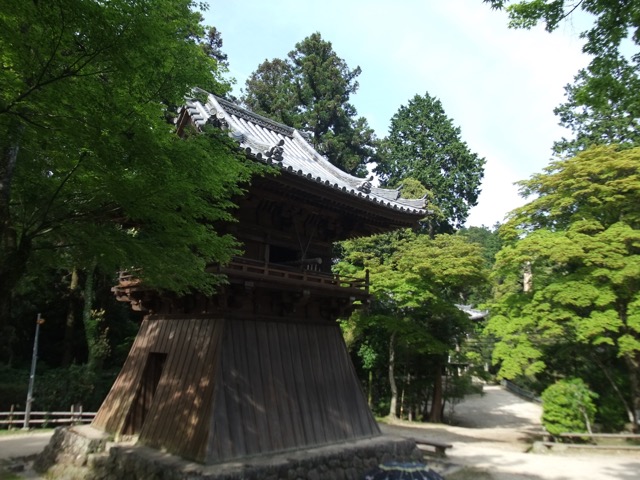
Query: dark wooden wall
pixel 173 414
pixel 213 390
pixel 285 386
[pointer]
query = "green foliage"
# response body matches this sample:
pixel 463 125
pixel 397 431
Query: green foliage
pixel 14 384
pixel 615 21
pixel 90 169
pixel 487 238
pixel 423 144
pixel 602 107
pixel 55 388
pixel 602 104
pixel 568 407
pixel 415 283
pixel 579 239
pixel 310 90
pixel 368 356
pixel 412 188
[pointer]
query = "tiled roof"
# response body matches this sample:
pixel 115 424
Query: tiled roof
pixel 287 149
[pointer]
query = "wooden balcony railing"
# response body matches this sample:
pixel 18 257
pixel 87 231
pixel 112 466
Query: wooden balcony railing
pixel 251 269
pixel 130 287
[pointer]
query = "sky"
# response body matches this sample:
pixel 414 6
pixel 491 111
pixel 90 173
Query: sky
pixel 498 85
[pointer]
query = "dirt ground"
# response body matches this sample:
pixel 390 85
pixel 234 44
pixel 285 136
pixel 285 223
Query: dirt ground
pixel 490 439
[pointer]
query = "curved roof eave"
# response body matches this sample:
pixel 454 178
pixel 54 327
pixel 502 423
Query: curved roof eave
pixel 286 148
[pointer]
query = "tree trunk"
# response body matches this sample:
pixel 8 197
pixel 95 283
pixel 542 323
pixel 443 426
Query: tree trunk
pixel 90 324
pixel 69 327
pixel 627 406
pixel 392 380
pixel 633 365
pixel 435 415
pixel 13 252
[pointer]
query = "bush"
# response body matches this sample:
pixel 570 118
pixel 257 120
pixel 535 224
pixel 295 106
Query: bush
pixel 567 406
pixel 14 384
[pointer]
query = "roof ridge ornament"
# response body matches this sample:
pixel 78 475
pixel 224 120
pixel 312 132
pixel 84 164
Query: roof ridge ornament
pixel 366 185
pixel 218 119
pixel 275 152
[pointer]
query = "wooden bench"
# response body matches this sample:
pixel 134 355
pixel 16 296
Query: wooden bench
pixel 440 448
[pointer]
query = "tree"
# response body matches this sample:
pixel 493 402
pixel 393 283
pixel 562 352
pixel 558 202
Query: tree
pixel 487 238
pixel 424 144
pixel 601 109
pixel 615 20
pixel 568 407
pixel 580 240
pixel 310 90
pixel 270 91
pixel 602 104
pixel 415 283
pixel 212 46
pixel 91 173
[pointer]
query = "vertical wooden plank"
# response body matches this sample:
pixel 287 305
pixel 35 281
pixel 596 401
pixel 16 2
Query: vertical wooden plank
pixel 174 408
pixel 197 393
pixel 204 388
pixel 289 424
pixel 217 444
pixel 255 399
pixel 245 415
pixel 161 342
pixel 112 413
pixel 297 379
pixel 355 401
pixel 293 404
pixel 273 387
pixel 324 385
pixel 161 416
pixel 310 383
pixel 367 421
pixel 232 411
pixel 178 438
pixel 343 397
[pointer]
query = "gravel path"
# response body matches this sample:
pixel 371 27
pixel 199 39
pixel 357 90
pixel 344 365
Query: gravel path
pixel 489 433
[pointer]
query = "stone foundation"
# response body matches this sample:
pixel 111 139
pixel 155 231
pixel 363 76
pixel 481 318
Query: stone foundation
pixel 83 452
pixel 71 446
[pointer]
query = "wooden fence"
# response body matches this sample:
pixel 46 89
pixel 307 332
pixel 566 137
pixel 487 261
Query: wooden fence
pixel 521 392
pixel 14 419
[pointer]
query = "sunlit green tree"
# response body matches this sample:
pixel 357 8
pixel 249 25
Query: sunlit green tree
pixel 415 283
pixel 569 273
pixel 92 173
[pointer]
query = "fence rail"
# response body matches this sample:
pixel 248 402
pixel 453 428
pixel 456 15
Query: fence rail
pixel 521 392
pixel 15 418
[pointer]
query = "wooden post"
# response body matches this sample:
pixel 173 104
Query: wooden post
pixel 11 410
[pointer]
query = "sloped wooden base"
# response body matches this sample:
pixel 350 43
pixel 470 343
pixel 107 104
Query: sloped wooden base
pixel 213 390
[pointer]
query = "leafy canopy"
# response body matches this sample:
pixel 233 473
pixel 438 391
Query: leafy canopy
pixel 310 90
pixel 424 144
pixel 416 282
pixel 91 169
pixel 580 240
pixel 602 103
